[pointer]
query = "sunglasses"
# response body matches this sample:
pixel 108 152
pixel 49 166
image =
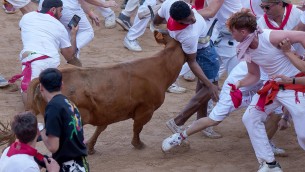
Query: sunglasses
pixel 267 7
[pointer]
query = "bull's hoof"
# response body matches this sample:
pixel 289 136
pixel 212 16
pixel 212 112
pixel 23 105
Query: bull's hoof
pixel 90 148
pixel 91 151
pixel 138 145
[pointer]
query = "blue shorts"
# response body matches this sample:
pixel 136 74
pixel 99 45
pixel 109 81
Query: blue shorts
pixel 207 58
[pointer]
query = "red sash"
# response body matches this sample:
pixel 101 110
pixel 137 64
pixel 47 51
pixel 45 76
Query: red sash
pixel 21 148
pixel 270 26
pixel 26 73
pixel 266 98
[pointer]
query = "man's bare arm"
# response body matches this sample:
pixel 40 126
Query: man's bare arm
pixel 294 58
pixel 191 60
pixel 276 36
pixel 51 142
pixel 212 9
pixel 252 76
pixel 159 20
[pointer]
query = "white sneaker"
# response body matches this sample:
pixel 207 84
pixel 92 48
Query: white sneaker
pixel 3 82
pixel 270 168
pixel 174 88
pixel 277 151
pixel 171 125
pixel 110 21
pixel 171 142
pixel 210 133
pixel 132 45
pixel 189 76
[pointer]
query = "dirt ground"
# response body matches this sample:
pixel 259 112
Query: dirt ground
pixel 231 153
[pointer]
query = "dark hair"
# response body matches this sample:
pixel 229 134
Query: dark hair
pixel 179 10
pixel 48 4
pixel 24 126
pixel 242 20
pixel 51 79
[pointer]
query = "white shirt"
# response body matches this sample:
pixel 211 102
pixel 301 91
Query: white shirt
pixel 18 163
pixel 189 36
pixel 293 20
pixel 271 59
pixel 253 5
pixel 228 8
pixel 43 34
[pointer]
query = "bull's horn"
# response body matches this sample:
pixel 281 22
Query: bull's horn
pixel 207 38
pixel 152 16
pixel 152 26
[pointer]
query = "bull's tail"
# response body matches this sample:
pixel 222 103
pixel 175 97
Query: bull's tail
pixel 6 135
pixel 31 95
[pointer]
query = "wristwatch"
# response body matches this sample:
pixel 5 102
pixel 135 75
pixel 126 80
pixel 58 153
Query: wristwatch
pixel 40 126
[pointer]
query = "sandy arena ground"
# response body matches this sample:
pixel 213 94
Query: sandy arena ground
pixel 231 153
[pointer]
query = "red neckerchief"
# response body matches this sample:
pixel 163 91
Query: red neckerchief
pixel 21 148
pixel 173 25
pixel 50 13
pixel 270 26
pixel 271 88
pixel 199 4
pixel 252 8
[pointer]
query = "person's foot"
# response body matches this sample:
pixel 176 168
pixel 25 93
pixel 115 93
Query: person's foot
pixel 110 21
pixel 189 76
pixel 174 88
pixel 171 142
pixel 171 125
pixel 3 82
pixel 277 151
pixel 123 21
pixel 264 167
pixel 8 8
pixel 132 45
pixel 210 133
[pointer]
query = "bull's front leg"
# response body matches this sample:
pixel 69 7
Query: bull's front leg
pixel 91 142
pixel 140 119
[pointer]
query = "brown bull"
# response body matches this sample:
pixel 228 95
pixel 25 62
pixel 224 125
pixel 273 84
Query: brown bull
pixel 105 95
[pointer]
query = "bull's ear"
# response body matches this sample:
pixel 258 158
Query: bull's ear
pixel 159 37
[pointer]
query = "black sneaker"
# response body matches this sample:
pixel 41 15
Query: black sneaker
pixel 123 21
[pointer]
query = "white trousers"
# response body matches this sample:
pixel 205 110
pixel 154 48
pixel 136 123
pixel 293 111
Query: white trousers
pixel 130 7
pixel 227 55
pixel 225 106
pixel 139 26
pixel 254 121
pixel 105 12
pixel 85 31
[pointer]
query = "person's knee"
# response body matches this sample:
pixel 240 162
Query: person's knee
pixel 247 120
